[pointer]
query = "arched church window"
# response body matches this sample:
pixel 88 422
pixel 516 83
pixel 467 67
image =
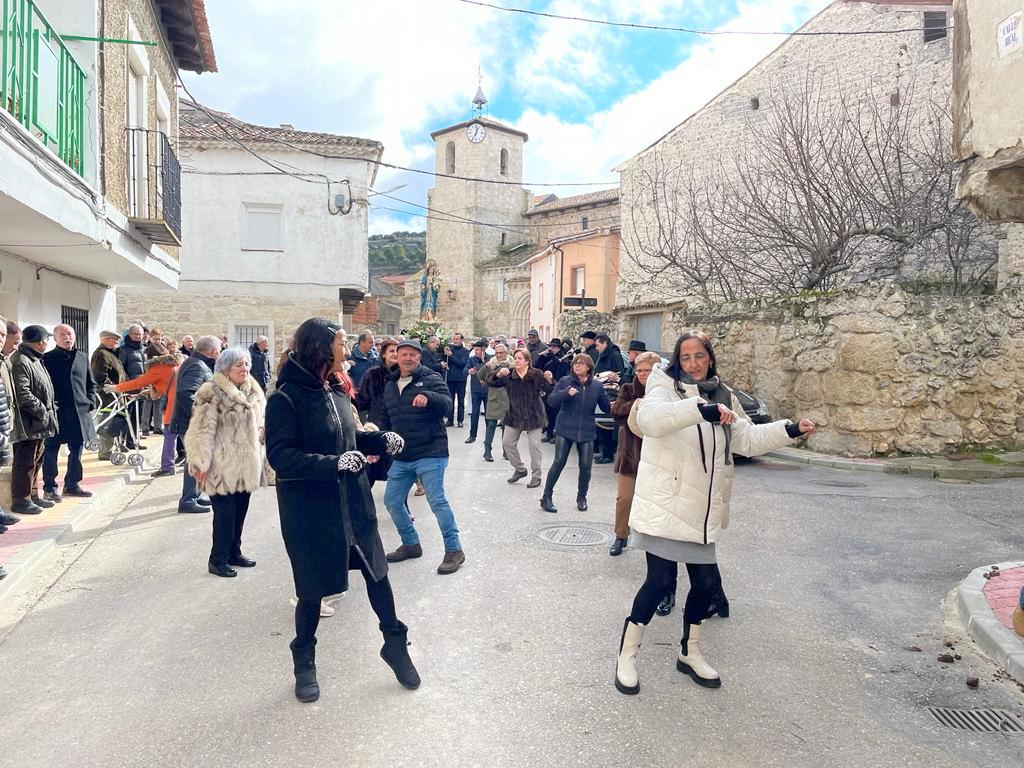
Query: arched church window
pixel 504 162
pixel 449 157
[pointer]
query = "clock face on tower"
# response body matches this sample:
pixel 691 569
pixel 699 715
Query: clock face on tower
pixel 475 132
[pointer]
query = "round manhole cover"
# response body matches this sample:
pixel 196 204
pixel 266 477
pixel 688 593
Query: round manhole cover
pixel 574 535
pixel 841 483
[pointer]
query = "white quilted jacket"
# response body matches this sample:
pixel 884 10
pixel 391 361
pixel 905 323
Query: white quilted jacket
pixel 683 485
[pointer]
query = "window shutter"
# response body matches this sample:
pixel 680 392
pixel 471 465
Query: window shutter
pixel 264 229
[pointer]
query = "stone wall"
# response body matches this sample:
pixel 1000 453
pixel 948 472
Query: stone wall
pixel 569 221
pixel 882 371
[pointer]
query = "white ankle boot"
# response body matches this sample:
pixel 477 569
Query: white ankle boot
pixel 691 662
pixel 627 679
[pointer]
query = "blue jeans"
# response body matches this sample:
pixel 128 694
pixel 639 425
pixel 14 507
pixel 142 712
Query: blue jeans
pixel 479 403
pixel 401 477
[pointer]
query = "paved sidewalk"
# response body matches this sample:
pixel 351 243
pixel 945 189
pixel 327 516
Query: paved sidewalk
pixel 26 543
pixel 986 600
pixel 952 467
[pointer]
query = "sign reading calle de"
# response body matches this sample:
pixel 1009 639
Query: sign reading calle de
pixel 1010 39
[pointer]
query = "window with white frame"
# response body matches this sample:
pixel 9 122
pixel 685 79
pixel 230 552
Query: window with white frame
pixel 540 296
pixel 262 227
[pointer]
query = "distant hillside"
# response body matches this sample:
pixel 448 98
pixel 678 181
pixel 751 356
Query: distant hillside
pixel 398 253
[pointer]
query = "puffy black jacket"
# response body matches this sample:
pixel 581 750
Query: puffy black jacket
pixel 457 361
pixel 431 360
pixel 132 358
pixel 576 417
pixel 421 428
pixel 192 374
pixel 260 366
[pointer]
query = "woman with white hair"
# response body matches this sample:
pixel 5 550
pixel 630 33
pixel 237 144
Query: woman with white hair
pixel 223 445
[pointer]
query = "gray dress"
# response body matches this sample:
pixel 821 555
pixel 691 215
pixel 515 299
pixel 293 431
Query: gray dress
pixel 671 549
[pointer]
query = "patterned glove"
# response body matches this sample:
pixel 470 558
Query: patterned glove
pixel 394 442
pixel 351 461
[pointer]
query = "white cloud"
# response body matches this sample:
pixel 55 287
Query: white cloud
pixel 587 151
pixel 384 223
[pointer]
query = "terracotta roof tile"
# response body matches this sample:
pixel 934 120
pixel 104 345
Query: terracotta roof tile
pixel 590 198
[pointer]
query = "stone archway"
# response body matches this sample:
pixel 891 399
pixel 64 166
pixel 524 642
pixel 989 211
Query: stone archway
pixel 520 315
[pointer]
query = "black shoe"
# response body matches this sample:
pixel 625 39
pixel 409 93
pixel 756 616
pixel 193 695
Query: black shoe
pixel 179 461
pixel 546 503
pixel 581 503
pixel 719 605
pixel 204 502
pixel 3 528
pixel 307 689
pixel 162 472
pixel 241 561
pixel 471 439
pixel 404 552
pixel 603 460
pixel 666 605
pixel 77 491
pixel 158 431
pixel 487 456
pixel 52 496
pixel 222 570
pixel 44 503
pixel 6 518
pixel 449 424
pixel 3 573
pixel 617 546
pixel 535 483
pixel 395 653
pixel 25 507
pixel 192 508
pixel 518 475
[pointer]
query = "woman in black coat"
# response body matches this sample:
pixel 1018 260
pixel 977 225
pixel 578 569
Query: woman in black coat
pixel 328 519
pixel 577 396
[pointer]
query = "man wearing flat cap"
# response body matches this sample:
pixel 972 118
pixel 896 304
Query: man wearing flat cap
pixel 35 419
pixel 106 368
pixel 477 389
pixel 535 346
pixel 416 404
pixel 588 341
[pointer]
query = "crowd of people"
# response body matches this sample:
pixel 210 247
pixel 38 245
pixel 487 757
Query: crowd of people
pixel 343 416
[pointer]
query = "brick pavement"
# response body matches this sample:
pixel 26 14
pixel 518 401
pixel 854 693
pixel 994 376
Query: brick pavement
pixel 1003 594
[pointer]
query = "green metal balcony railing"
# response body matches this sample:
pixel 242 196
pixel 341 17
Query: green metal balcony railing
pixel 40 82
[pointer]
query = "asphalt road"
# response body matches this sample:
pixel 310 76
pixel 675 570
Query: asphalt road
pixel 137 657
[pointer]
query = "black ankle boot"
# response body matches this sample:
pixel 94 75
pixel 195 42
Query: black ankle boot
pixel 396 653
pixel 307 689
pixel 666 605
pixel 546 503
pixel 720 605
pixel 581 503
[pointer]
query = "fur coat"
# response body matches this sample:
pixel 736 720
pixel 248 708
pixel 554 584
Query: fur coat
pixel 223 437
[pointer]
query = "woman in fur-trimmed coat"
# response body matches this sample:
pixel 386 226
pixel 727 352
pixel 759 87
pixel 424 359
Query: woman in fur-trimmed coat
pixel 225 455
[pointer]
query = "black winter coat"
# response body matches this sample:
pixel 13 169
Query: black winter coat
pixel 74 394
pixel 431 360
pixel 474 362
pixel 192 374
pixel 370 397
pixel 260 366
pixel 457 361
pixel 328 519
pixel 576 416
pixel 35 416
pixel 133 359
pixel 184 352
pixel 557 363
pixel 610 360
pixel 421 428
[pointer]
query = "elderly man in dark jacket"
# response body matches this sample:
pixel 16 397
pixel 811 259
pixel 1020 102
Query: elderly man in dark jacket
pixel 477 389
pixel 457 359
pixel 35 419
pixel 609 362
pixel 260 362
pixel 535 346
pixel 75 397
pixel 416 403
pixel 192 374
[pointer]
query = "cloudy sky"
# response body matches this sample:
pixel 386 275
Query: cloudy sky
pixel 588 95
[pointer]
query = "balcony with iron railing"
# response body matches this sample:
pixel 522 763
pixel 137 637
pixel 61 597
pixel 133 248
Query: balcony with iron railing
pixel 41 84
pixel 154 185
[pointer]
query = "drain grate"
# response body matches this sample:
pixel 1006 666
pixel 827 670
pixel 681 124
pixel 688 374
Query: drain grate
pixel 574 535
pixel 841 483
pixel 979 720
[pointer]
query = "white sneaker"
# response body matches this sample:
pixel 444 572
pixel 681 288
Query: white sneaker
pixel 331 599
pixel 325 610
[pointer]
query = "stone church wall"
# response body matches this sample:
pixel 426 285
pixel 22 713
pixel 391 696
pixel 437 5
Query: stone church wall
pixel 548 226
pixel 881 371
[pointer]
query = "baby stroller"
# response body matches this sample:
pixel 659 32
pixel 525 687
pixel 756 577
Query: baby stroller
pixel 119 420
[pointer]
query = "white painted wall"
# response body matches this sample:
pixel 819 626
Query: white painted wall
pixel 27 299
pixel 321 252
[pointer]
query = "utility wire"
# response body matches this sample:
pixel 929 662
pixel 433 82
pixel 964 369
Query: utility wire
pixel 690 30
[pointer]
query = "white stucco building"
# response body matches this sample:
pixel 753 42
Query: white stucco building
pixel 264 250
pixel 88 173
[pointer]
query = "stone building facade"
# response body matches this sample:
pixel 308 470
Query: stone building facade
pixel 264 250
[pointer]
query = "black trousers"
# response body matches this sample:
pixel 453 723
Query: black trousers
pixel 705 584
pixel 382 600
pixel 457 389
pixel 607 441
pixel 229 511
pixel 585 453
pixel 478 401
pixel 552 415
pixel 28 459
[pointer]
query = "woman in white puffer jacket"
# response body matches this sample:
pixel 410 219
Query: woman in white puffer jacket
pixel 691 428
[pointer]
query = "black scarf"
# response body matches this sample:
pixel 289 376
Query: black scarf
pixel 713 390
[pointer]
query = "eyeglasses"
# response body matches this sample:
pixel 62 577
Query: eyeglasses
pixel 580 365
pixel 644 370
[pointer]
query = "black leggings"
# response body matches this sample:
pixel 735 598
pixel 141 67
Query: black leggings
pixel 382 600
pixel 585 452
pixel 705 583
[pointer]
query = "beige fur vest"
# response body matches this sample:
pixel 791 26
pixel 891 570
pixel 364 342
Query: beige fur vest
pixel 223 437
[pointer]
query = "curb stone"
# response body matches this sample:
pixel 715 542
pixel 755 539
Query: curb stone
pixel 21 565
pixel 996 640
pixel 920 469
